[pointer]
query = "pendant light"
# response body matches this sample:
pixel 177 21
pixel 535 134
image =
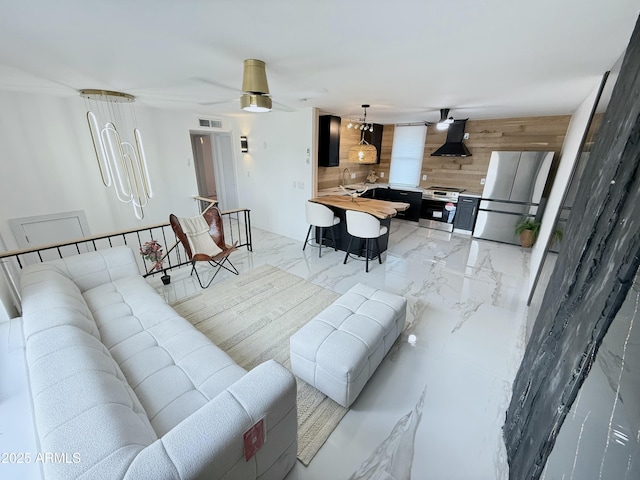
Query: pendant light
pixel 363 152
pixel 121 158
pixel 255 87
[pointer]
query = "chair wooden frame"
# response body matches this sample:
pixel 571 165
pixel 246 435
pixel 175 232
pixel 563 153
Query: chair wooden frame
pixel 214 219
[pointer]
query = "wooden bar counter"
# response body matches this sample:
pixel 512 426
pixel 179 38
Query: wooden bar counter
pixel 380 209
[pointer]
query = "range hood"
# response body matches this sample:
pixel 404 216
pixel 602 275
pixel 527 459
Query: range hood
pixel 454 146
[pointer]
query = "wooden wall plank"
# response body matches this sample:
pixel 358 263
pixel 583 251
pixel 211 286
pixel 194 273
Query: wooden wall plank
pixel 485 136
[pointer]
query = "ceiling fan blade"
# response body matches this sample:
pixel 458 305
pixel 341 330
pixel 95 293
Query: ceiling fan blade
pixel 219 102
pixel 283 107
pixel 216 84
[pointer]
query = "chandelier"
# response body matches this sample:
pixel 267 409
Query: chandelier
pixel 121 161
pixel 363 152
pixel 361 123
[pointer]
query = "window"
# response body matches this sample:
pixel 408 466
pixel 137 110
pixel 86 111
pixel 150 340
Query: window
pixel 406 154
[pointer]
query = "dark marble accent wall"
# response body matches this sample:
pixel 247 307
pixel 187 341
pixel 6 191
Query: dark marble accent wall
pixel 598 260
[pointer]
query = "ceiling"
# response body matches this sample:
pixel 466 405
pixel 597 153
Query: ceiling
pixel 407 58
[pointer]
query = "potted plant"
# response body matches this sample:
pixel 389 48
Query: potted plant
pixel 528 230
pixel 152 251
pixel 556 237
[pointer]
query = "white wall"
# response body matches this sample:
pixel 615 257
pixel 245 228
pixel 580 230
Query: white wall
pixel 569 156
pixel 275 179
pixel 47 165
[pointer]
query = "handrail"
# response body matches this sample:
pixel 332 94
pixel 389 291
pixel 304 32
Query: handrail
pixel 210 201
pixel 90 238
pixel 11 262
pixel 118 233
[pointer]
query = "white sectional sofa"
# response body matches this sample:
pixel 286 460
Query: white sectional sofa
pixel 125 388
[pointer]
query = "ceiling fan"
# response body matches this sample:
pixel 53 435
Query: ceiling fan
pixel 255 95
pixel 444 122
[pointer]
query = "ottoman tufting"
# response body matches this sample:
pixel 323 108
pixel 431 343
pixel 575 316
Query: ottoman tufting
pixel 339 349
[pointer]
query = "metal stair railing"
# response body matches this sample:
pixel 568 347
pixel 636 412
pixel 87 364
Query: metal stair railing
pixel 236 224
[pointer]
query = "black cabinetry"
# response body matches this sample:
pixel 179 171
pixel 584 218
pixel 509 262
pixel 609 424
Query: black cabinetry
pixel 466 212
pixel 414 199
pixel 375 138
pixel 329 141
pixel 370 193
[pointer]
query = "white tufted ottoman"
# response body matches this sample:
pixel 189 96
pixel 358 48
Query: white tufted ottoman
pixel 338 351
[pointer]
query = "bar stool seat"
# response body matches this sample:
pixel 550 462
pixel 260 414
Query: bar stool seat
pixel 364 225
pixel 322 217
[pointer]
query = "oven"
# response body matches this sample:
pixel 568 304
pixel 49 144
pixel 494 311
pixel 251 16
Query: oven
pixel 438 207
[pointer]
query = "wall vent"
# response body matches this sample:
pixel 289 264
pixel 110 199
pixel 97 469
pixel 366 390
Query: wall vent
pixel 210 123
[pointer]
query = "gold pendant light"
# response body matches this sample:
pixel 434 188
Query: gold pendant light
pixel 255 87
pixel 121 158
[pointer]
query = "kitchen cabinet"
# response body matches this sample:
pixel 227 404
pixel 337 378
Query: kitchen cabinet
pixel 466 211
pixel 328 141
pixel 371 193
pixel 380 193
pixel 414 199
pixel 375 138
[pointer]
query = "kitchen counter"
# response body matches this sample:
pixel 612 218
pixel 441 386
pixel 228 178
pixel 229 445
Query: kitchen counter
pixel 353 186
pixel 382 210
pixel 360 186
pixel 378 208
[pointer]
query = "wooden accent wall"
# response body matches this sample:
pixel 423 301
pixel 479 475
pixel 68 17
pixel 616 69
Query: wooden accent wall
pixel 485 136
pixel 332 176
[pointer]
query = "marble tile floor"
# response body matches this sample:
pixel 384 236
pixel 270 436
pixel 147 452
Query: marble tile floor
pixel 434 409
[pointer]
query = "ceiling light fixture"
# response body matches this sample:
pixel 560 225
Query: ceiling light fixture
pixel 255 87
pixel 445 121
pixel 121 164
pixel 363 152
pixel 361 123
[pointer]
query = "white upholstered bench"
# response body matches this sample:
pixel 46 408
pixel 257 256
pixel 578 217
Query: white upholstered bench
pixel 339 349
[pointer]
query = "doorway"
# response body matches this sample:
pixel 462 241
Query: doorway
pixel 215 169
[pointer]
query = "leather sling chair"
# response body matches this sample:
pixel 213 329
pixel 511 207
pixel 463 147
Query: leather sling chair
pixel 203 240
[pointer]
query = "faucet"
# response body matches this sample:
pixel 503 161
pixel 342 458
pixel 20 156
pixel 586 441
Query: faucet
pixel 343 172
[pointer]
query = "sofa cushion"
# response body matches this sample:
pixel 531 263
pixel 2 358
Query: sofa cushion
pixel 78 390
pixel 173 368
pixel 96 268
pixel 85 407
pixel 50 299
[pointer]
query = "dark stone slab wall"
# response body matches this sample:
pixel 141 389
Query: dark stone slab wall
pixel 597 262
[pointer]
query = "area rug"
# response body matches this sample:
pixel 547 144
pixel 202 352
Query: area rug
pixel 251 317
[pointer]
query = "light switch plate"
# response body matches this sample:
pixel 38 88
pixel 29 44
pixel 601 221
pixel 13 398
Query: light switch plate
pixel 381 174
pixel 424 177
pixel 483 181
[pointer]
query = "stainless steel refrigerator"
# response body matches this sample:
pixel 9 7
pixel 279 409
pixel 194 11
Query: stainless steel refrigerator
pixel 513 190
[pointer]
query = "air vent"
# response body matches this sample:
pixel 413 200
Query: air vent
pixel 204 122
